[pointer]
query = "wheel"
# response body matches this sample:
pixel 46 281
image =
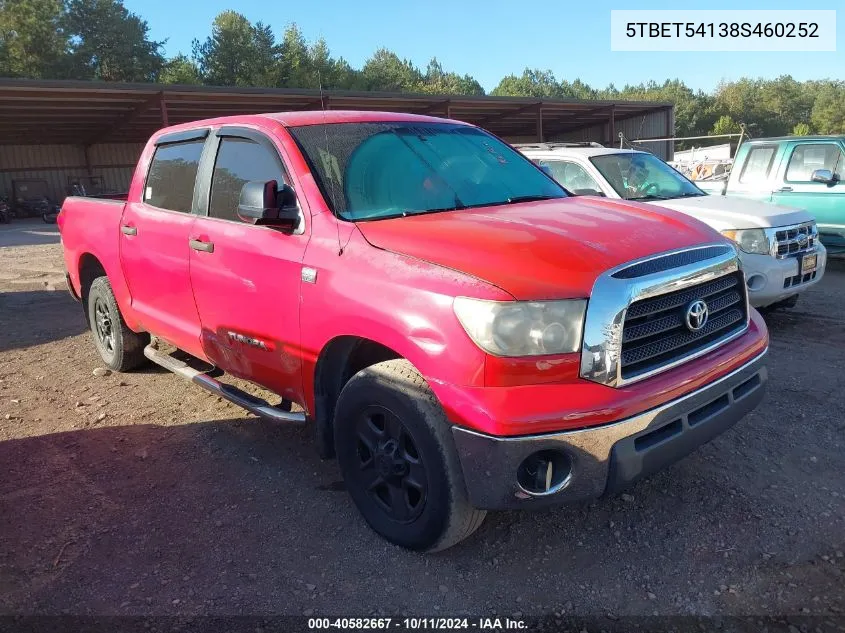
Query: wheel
pixel 398 459
pixel 121 348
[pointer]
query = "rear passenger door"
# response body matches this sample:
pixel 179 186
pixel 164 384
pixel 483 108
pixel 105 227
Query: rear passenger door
pixel 245 277
pixel 154 242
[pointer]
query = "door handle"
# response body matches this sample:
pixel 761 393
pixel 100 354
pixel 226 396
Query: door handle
pixel 128 230
pixel 783 189
pixel 199 245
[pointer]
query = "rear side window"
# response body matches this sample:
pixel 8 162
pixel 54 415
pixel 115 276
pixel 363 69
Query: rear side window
pixel 173 171
pixel 571 175
pixel 239 161
pixel 809 157
pixel 758 164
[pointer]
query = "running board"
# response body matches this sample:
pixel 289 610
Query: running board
pixel 253 404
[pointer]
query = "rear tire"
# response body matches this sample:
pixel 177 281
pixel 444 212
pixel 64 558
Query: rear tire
pixel 120 348
pixel 398 459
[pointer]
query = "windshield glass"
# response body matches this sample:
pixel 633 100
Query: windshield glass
pixel 372 171
pixel 638 176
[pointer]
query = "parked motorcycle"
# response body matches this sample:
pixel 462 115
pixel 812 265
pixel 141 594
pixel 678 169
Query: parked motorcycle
pixel 5 211
pixel 49 211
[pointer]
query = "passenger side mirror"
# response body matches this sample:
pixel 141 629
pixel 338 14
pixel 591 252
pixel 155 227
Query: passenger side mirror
pixel 265 204
pixel 824 176
pixel 587 192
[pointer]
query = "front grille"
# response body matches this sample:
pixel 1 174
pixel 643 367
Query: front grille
pixel 791 240
pixel 655 333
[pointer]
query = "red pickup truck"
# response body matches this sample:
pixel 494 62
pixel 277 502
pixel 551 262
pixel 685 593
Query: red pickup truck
pixel 463 334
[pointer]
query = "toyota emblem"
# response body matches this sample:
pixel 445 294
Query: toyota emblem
pixel 697 313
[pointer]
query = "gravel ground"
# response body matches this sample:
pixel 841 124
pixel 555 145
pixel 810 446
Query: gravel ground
pixel 140 494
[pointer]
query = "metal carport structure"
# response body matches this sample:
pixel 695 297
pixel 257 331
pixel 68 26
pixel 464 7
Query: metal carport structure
pixel 53 129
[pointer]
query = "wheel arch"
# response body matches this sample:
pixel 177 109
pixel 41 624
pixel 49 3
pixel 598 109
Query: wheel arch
pixel 340 359
pixel 88 269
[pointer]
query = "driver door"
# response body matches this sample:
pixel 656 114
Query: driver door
pixel 246 278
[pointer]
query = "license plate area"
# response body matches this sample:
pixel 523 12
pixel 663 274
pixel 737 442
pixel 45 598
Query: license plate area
pixel 809 263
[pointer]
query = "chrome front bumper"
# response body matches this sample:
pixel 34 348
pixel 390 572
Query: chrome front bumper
pixel 607 458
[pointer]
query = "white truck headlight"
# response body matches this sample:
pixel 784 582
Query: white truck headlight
pixel 523 328
pixel 750 240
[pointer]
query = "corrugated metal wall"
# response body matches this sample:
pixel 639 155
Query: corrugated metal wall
pixel 655 124
pixel 57 164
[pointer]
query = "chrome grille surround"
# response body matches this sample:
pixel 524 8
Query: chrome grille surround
pixel 611 296
pixel 792 240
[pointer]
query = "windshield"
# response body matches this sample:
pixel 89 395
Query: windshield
pixel 373 171
pixel 639 176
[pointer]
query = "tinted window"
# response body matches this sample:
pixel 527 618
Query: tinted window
pixel 571 175
pixel 238 162
pixel 170 182
pixel 808 158
pixel 757 164
pixel 370 171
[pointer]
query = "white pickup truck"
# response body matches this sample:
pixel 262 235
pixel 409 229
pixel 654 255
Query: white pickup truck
pixel 779 246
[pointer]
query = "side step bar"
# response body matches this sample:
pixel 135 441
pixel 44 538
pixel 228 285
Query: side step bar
pixel 253 404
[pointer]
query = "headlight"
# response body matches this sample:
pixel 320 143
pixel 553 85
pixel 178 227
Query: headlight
pixel 750 240
pixel 523 328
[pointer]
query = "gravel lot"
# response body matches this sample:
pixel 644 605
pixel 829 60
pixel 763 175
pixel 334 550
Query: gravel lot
pixel 140 494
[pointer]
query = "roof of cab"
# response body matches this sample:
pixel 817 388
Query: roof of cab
pixel 814 137
pixel 306 117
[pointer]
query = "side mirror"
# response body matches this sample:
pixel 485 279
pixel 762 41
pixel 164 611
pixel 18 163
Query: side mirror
pixel 823 175
pixel 267 205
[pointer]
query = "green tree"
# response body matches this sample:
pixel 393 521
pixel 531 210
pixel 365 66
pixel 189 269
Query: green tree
pixel 533 83
pixel 180 70
pixel 264 69
pixel 32 40
pixel 828 114
pixel 237 53
pixel 726 125
pixel 801 129
pixel 109 43
pixel 296 67
pixel 437 81
pixel 385 71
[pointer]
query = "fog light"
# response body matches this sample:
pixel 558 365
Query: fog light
pixel 544 472
pixel 756 282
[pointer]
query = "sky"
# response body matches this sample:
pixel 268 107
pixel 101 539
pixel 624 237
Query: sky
pixel 493 38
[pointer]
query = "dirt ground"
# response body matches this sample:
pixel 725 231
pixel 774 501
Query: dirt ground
pixel 141 494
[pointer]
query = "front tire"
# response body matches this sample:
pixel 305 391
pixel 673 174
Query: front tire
pixel 120 348
pixel 398 459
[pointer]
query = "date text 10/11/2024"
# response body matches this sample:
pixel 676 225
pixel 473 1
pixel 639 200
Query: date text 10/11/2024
pixel 414 624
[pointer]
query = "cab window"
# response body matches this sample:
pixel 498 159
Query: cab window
pixel 808 157
pixel 571 175
pixel 238 162
pixel 173 172
pixel 757 164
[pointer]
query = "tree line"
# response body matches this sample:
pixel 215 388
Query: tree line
pixel 102 40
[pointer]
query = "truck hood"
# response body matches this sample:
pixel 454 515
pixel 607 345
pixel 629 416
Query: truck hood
pixel 723 213
pixel 553 249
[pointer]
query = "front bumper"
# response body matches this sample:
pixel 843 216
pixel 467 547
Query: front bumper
pixel 770 280
pixel 607 458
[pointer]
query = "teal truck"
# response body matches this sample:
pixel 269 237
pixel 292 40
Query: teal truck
pixel 796 171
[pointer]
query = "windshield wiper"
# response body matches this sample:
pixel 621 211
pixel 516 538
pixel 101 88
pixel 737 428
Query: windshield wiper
pixel 692 194
pixel 649 198
pixel 517 199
